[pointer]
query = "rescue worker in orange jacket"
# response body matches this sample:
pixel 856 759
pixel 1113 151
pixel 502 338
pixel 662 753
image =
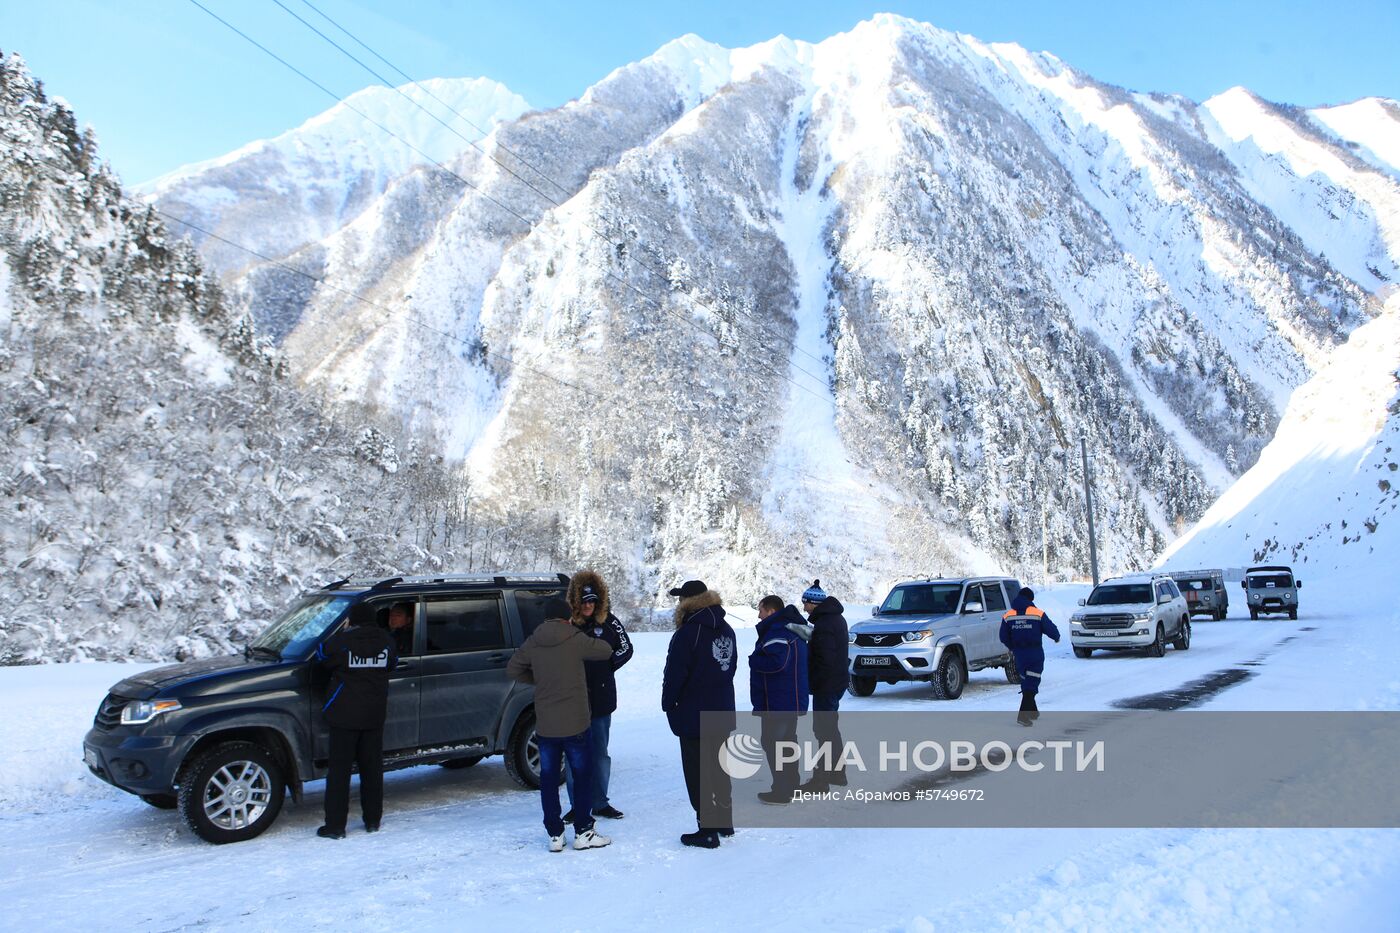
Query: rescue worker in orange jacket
pixel 1022 628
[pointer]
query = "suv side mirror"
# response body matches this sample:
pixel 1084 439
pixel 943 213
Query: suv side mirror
pixel 875 611
pixel 1081 600
pixel 1298 584
pixel 972 607
pixel 1244 584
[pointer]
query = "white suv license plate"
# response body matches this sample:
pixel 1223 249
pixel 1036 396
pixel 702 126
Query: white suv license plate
pixel 90 757
pixel 875 662
pixel 1106 634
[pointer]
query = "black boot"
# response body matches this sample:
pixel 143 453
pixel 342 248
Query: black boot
pixel 701 839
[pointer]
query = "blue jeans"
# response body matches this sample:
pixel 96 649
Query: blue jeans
pixel 602 763
pixel 552 753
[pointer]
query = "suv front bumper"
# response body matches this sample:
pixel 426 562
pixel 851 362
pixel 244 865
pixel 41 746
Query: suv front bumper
pixel 913 661
pixel 137 764
pixel 1098 638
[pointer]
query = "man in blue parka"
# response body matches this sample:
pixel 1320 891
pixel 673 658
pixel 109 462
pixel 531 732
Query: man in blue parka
pixel 1022 628
pixel 778 689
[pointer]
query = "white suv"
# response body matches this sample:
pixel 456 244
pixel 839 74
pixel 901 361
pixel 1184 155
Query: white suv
pixel 1140 611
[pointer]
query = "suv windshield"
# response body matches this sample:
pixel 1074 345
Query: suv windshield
pixel 1263 580
pixel 922 599
pixel 303 623
pixel 1120 594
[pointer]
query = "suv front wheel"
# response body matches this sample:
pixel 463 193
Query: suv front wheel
pixel 1183 636
pixel 950 677
pixel 231 792
pixel 862 686
pixel 1158 648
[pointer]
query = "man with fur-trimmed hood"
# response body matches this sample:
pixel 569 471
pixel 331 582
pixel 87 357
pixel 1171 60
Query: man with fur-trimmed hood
pixel 591 612
pixel 700 666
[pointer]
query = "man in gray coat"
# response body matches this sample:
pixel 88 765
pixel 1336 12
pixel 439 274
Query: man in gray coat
pixel 552 659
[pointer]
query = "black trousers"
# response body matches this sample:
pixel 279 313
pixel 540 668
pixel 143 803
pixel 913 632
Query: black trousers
pixel 1028 703
pixel 365 748
pixel 719 807
pixel 775 728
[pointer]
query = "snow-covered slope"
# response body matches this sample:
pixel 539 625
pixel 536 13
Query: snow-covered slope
pixel 276 195
pixel 844 309
pixel 1324 494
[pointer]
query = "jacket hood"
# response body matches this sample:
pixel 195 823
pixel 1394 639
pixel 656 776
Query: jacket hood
pixel 554 632
pixel 829 606
pixel 691 605
pixel 779 619
pixel 1020 604
pixel 594 579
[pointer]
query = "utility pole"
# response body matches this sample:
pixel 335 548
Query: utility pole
pixel 1044 547
pixel 1089 508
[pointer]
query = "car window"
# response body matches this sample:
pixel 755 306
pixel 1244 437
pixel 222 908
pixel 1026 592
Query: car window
pixel 1172 590
pixel 303 624
pixel 530 604
pixel 922 599
pixel 1012 588
pixel 403 635
pixel 464 623
pixel 992 598
pixel 1120 594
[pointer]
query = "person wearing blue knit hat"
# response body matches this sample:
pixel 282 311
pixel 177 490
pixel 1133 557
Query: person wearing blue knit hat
pixel 828 674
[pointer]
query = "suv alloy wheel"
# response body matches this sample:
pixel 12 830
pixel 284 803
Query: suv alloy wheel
pixel 1158 648
pixel 232 792
pixel 1182 642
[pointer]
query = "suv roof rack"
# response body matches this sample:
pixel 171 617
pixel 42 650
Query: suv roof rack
pixel 379 584
pixel 1269 567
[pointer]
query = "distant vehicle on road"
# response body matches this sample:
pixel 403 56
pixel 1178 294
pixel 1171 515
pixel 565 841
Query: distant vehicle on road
pixel 224 739
pixel 1271 590
pixel 1204 591
pixel 934 630
pixel 1132 612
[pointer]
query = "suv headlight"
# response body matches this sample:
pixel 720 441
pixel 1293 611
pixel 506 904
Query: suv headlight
pixel 1142 616
pixel 1077 618
pixel 142 711
pixel 1287 596
pixel 1255 597
pixel 920 635
pixel 852 637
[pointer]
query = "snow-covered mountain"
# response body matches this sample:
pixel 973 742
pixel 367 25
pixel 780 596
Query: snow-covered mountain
pixel 1324 494
pixel 277 195
pixel 845 309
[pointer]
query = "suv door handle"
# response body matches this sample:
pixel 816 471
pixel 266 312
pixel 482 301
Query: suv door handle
pixel 498 658
pixel 406 666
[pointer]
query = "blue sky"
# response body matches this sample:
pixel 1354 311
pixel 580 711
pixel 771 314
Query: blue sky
pixel 164 84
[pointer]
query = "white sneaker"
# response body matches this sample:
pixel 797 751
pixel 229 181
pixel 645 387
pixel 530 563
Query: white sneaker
pixel 556 843
pixel 588 839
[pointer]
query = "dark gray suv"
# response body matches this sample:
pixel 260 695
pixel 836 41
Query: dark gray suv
pixel 224 739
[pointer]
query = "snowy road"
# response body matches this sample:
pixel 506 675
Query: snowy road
pixel 464 848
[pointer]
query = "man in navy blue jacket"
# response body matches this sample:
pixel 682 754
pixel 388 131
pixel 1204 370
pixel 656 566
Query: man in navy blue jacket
pixel 1022 627
pixel 700 665
pixel 778 689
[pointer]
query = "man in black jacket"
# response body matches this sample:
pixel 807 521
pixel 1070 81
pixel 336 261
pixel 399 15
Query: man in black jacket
pixel 591 612
pixel 828 674
pixel 701 661
pixel 359 658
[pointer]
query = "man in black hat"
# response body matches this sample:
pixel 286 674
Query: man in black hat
pixel 700 665
pixel 591 612
pixel 359 658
